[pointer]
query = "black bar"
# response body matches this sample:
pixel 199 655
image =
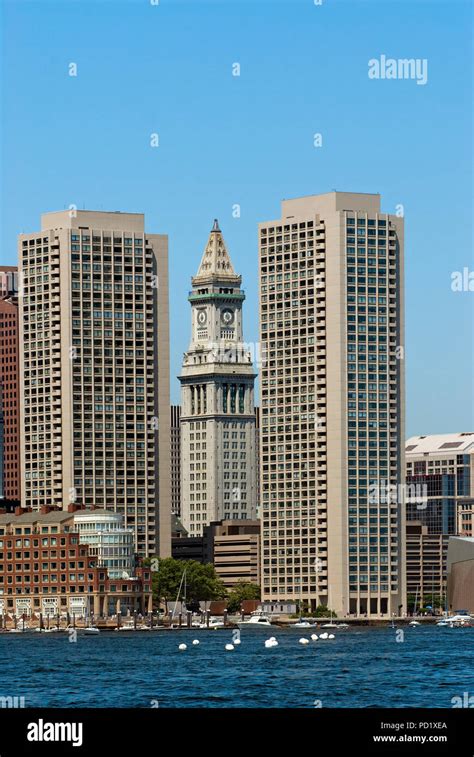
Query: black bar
pixel 108 731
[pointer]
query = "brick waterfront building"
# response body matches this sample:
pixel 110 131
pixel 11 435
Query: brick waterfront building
pixel 46 567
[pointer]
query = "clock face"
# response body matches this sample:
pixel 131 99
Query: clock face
pixel 202 317
pixel 227 317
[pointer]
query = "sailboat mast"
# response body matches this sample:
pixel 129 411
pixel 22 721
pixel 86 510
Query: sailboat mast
pixel 179 592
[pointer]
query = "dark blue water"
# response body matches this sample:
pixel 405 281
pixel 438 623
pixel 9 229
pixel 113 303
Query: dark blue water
pixel 364 667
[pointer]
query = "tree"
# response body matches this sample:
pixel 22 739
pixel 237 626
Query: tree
pixel 411 602
pixel 242 590
pixel 201 582
pixel 431 603
pixel 166 578
pixel 322 611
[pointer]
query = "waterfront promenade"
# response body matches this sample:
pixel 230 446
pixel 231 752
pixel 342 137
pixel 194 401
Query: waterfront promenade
pixel 155 622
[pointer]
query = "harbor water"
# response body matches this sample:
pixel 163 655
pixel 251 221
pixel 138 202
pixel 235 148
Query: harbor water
pixel 361 667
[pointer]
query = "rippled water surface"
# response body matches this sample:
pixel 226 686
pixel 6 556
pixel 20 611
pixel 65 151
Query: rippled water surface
pixel 363 667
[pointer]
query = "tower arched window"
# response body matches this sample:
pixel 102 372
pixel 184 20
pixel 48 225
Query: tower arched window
pixel 233 393
pixel 224 397
pixel 241 398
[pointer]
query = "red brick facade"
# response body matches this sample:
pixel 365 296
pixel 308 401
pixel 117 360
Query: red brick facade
pixel 44 568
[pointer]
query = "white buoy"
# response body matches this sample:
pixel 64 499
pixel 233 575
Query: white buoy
pixel 314 637
pixel 195 641
pixel 324 635
pixel 182 647
pixel 269 643
pixel 229 647
pixel 331 636
pixel 304 641
pixel 237 641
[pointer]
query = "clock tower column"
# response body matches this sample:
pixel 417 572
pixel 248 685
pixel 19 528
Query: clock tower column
pixel 218 436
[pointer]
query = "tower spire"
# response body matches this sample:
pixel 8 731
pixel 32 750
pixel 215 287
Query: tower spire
pixel 216 263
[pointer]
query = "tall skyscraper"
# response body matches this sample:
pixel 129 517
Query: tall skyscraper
pixel 9 386
pixel 95 369
pixel 218 439
pixel 332 404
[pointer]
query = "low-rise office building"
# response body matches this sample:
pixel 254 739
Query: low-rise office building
pixel 440 470
pixel 237 551
pixel 233 546
pixel 426 565
pixel 439 504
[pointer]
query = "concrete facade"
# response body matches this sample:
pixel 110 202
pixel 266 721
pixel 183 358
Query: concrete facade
pixel 332 403
pixel 237 552
pixel 461 574
pixel 94 341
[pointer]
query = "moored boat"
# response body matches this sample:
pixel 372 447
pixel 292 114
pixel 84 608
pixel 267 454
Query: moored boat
pixel 455 621
pixel 302 624
pixel 258 619
pixel 213 623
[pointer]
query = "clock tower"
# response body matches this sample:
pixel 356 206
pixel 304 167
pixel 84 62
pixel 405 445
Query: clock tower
pixel 218 434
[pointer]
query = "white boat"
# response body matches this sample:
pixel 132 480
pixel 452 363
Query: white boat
pixel 91 630
pixel 455 621
pixel 213 623
pixel 414 623
pixel 302 624
pixel 21 627
pixel 258 619
pixel 130 626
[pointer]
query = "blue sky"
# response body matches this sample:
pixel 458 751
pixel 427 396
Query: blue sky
pixel 167 69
